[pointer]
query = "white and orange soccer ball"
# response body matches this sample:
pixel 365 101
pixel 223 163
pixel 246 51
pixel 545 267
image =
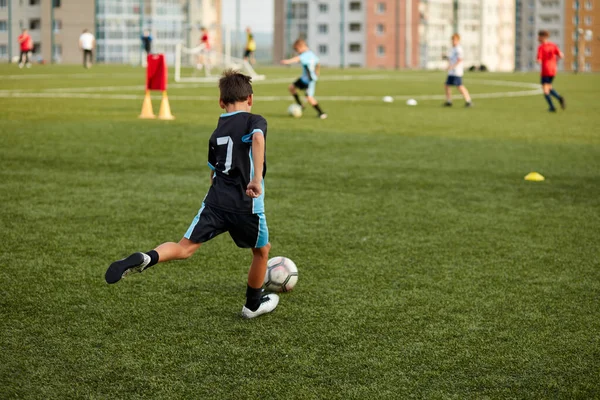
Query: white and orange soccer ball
pixel 281 276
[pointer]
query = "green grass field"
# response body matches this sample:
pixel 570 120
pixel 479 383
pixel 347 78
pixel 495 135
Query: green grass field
pixel 429 268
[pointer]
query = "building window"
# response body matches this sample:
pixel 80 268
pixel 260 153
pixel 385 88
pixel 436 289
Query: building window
pixel 37 48
pixel 323 28
pixel 3 3
pixel 531 19
pixel 588 20
pixel 56 3
pixel 380 8
pixel 588 5
pixel 34 2
pixel 3 26
pixel 57 25
pixel 380 51
pixel 3 50
pixel 380 29
pixel 354 47
pixel 588 67
pixel 322 49
pixel 299 10
pixel 355 27
pixel 355 6
pixel 35 24
pixel 588 51
pixel 302 29
pixel 323 7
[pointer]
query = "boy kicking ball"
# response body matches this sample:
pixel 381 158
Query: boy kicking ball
pixel 547 56
pixel 455 73
pixel 235 200
pixel 310 74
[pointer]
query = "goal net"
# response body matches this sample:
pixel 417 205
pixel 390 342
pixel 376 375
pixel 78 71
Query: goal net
pixel 199 65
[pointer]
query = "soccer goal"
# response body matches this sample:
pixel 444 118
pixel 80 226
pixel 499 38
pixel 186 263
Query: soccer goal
pixel 199 65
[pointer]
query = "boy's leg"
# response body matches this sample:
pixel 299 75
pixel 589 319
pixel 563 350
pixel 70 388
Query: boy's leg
pixel 138 262
pixel 313 102
pixel 465 93
pixel 546 87
pixel 558 97
pixel 294 92
pixel 448 90
pixel 257 303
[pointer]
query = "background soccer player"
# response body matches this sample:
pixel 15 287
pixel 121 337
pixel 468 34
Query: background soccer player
pixel 547 55
pixel 250 47
pixel 26 44
pixel 455 73
pixel 204 55
pixel 310 74
pixel 235 200
pixel 87 43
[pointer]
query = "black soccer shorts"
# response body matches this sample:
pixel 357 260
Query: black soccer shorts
pixel 246 230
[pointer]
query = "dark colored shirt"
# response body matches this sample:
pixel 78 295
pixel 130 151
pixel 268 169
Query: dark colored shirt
pixel 230 157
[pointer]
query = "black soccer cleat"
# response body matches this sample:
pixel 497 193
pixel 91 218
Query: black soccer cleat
pixel 562 102
pixel 448 104
pixel 132 264
pixel 468 104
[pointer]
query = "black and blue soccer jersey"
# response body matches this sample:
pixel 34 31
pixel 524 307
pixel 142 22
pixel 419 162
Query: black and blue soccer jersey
pixel 230 157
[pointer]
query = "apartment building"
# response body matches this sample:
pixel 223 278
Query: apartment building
pixel 365 33
pixel 486 27
pixel 55 27
pixel 532 16
pixel 582 35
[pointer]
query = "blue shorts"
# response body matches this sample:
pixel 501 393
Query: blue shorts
pixel 309 87
pixel 454 80
pixel 246 230
pixel 547 80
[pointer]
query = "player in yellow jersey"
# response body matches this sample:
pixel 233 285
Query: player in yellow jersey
pixel 250 47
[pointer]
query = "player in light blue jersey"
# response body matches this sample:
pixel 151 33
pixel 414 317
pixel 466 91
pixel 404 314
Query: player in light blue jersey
pixel 310 75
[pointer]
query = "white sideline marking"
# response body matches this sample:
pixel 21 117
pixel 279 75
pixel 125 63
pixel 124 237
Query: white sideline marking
pixel 332 78
pixel 260 98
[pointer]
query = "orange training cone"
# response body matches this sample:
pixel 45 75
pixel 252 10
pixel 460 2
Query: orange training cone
pixel 165 109
pixel 147 112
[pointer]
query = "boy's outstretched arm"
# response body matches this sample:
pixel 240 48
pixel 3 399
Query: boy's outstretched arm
pixel 292 60
pixel 254 188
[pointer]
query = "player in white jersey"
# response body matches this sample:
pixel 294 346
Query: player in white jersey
pixel 455 73
pixel 87 43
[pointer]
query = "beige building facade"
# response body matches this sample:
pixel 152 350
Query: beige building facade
pixel 55 27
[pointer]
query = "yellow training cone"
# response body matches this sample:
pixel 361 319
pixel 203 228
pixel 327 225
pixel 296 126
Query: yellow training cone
pixel 534 176
pixel 165 109
pixel 147 112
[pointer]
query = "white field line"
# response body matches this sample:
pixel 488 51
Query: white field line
pixel 331 78
pixel 260 98
pixel 82 75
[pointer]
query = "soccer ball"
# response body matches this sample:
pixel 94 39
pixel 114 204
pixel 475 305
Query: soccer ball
pixel 411 102
pixel 281 276
pixel 295 110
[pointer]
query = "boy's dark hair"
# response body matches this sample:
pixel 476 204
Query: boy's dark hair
pixel 234 86
pixel 543 34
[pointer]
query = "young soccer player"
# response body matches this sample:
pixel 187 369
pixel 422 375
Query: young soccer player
pixel 204 54
pixel 310 74
pixel 235 200
pixel 455 73
pixel 547 56
pixel 26 45
pixel 250 47
pixel 87 43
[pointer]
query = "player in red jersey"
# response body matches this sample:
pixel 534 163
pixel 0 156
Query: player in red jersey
pixel 204 54
pixel 26 45
pixel 547 55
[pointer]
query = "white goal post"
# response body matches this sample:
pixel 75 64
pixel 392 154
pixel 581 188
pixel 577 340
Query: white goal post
pixel 198 65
